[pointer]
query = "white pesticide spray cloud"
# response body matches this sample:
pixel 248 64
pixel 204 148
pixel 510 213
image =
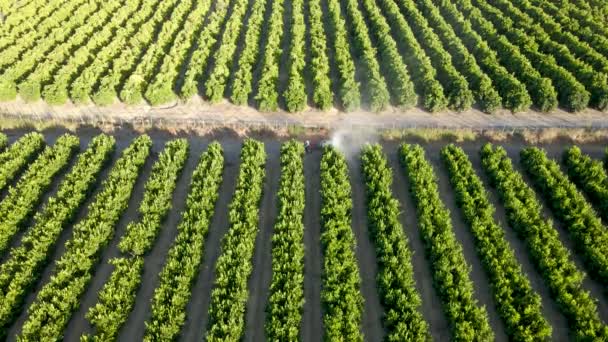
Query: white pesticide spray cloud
pixel 350 142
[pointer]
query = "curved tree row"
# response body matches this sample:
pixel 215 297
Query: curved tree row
pixel 117 297
pixel 540 88
pixel 23 267
pixel 514 94
pixel 51 310
pixel 518 304
pixel 21 200
pixel 56 91
pixel 134 87
pixel 322 95
pixel 161 88
pixel 31 86
pixel 295 94
pixel 107 87
pixel 340 292
pixel 234 265
pixel 590 176
pixel 455 86
pixel 286 299
pixel 348 93
pixel 186 253
pixel 216 83
pixel 424 75
pixel 468 321
pixel 401 86
pixel 481 84
pixel 378 95
pixel 396 282
pixel 549 255
pixel 569 206
pixel 242 85
pixel 572 94
pixel 18 156
pixel 267 96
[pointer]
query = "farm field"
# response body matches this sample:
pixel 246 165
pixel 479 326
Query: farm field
pixel 300 56
pixel 127 236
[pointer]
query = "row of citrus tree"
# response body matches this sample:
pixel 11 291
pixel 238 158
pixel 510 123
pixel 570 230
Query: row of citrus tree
pixel 117 297
pixel 549 255
pixel 22 199
pixel 340 292
pixel 16 157
pixel 518 304
pixel 284 310
pixel 449 267
pixel 590 176
pixel 234 265
pixel 53 306
pixel 24 264
pixel 396 283
pixel 571 207
pixel 168 312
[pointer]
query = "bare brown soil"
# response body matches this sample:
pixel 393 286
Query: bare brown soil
pixel 366 256
pixel 259 283
pixel 311 328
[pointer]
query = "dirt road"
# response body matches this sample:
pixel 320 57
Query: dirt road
pixel 198 112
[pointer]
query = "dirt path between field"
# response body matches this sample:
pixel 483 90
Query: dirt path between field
pixel 366 256
pixel 311 328
pixel 198 112
pixel 261 275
